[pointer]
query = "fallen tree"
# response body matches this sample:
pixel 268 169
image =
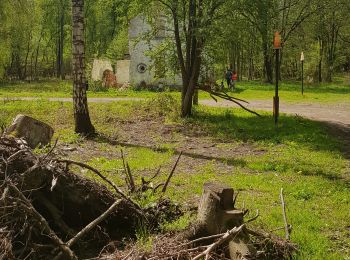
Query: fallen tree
pixel 43 204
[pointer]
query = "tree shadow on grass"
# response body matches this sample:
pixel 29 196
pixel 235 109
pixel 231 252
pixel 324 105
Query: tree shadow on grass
pixel 102 138
pixel 294 130
pixel 245 127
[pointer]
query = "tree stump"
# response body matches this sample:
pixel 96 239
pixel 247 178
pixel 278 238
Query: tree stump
pixel 216 209
pixel 217 214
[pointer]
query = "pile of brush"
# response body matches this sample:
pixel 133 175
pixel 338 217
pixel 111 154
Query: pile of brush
pixel 49 212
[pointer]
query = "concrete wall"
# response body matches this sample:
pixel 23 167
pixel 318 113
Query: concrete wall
pixel 138 50
pixel 98 67
pixel 123 71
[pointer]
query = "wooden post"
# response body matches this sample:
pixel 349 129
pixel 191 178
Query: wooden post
pixel 276 97
pixel 276 101
pixel 302 77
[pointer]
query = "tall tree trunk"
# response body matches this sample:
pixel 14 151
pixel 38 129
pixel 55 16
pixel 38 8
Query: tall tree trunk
pixel 331 49
pixel 320 61
pixel 60 41
pixel 24 75
pixel 37 55
pixel 187 101
pixel 81 113
pixel 267 64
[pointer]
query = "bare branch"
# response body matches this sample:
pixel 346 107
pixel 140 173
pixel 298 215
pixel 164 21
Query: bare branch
pixel 115 187
pixel 171 174
pixel 284 215
pixel 227 236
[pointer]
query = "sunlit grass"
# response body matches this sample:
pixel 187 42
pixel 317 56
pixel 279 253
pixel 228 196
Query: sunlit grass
pixel 250 90
pixel 299 156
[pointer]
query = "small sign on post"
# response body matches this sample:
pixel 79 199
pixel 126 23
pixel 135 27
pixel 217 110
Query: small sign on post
pixel 277 47
pixel 302 58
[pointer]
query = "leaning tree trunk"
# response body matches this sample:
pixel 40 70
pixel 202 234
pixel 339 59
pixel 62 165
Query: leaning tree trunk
pixel 81 113
pixel 187 98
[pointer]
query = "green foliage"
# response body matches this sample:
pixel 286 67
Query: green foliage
pixel 118 46
pixel 97 86
pixel 164 104
pixel 179 224
pixel 144 237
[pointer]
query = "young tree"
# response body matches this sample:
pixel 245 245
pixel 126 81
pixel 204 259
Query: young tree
pixel 81 113
pixel 192 22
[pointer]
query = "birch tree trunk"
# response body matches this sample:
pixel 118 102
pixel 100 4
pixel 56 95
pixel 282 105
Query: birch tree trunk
pixel 81 113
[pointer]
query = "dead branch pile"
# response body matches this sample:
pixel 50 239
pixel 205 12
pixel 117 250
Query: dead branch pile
pixel 173 246
pixel 219 232
pixel 48 212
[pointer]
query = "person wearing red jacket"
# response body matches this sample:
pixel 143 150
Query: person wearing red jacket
pixel 234 79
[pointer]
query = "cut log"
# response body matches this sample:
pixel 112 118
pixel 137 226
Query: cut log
pixel 32 130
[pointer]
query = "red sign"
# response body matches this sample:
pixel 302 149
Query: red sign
pixel 277 41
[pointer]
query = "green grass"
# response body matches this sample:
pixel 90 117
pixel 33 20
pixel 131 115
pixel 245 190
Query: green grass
pixel 55 88
pixel 298 156
pixel 250 90
pixel 291 92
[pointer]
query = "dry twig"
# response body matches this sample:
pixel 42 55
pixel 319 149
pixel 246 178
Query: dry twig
pixel 286 227
pixel 225 96
pixel 27 206
pixel 129 178
pixel 227 236
pixel 171 174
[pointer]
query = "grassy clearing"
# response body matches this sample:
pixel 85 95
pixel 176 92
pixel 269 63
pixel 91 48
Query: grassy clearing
pixel 291 92
pixel 250 90
pixel 299 156
pixel 57 88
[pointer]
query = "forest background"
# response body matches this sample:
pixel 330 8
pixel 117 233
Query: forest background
pixel 36 37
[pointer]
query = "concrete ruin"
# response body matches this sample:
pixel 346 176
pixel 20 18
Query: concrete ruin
pixel 99 66
pixel 137 69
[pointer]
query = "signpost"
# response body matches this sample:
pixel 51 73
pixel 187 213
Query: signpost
pixel 302 58
pixel 277 47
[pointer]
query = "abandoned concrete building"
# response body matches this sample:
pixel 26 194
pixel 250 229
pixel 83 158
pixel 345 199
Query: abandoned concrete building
pixel 137 68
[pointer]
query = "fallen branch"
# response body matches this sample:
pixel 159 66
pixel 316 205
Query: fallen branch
pixel 115 187
pixel 94 223
pixel 171 174
pixel 286 227
pixel 200 240
pixel 90 226
pixel 51 150
pixel 225 96
pixel 254 218
pixel 227 236
pixel 27 206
